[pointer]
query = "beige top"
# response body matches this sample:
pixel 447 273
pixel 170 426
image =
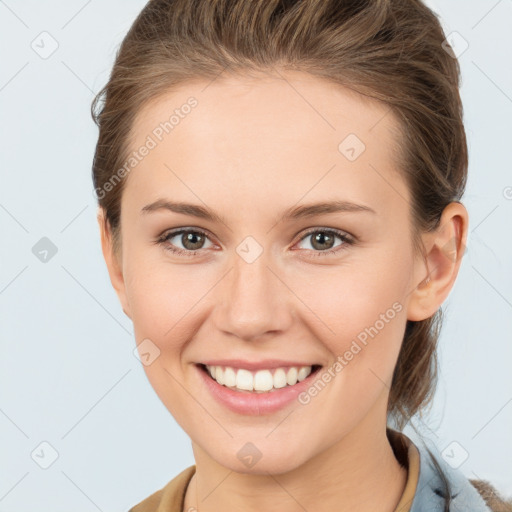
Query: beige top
pixel 171 497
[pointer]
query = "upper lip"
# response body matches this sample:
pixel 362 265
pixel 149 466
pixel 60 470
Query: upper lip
pixel 256 365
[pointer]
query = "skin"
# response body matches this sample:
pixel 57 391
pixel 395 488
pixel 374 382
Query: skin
pixel 252 148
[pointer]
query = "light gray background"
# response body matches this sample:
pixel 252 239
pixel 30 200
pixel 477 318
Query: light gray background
pixel 67 369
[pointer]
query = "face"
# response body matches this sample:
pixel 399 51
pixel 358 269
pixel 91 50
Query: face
pixel 263 282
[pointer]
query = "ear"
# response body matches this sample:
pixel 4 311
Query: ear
pixel 113 261
pixel 436 271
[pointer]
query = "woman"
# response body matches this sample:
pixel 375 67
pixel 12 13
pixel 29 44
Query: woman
pixel 279 188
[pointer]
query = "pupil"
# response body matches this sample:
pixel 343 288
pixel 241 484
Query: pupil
pixel 322 238
pixel 190 238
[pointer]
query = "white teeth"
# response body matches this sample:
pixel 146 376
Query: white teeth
pixel 229 377
pixel 303 373
pixel 279 378
pixel 291 376
pixel 219 375
pixel 244 380
pixel 263 380
pixel 260 381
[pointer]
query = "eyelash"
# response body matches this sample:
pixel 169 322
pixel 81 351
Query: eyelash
pixel 347 241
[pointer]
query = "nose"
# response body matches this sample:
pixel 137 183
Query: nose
pixel 253 301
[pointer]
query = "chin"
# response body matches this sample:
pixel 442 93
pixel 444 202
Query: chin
pixel 274 462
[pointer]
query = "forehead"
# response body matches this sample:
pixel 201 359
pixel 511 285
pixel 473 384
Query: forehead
pixel 268 135
pixel 293 104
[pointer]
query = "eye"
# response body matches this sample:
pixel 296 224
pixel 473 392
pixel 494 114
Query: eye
pixel 192 240
pixel 323 241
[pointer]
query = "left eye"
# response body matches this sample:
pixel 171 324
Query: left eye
pixel 323 240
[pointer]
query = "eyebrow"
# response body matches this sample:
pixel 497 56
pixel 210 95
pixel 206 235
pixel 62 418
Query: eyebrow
pixel 293 213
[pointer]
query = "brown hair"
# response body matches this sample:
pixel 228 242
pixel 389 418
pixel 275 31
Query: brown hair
pixel 389 50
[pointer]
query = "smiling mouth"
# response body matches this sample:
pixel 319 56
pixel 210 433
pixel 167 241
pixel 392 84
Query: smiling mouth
pixel 261 381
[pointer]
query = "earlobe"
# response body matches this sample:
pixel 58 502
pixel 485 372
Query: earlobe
pixel 436 271
pixel 114 266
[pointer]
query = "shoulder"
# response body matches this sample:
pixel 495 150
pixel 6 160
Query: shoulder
pixel 170 497
pixel 440 485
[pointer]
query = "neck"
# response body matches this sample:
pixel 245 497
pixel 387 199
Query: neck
pixel 359 472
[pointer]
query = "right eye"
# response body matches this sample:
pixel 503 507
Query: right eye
pixel 191 240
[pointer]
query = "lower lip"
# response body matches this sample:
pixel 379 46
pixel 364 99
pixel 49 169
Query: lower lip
pixel 255 404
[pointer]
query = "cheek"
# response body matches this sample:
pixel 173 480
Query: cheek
pixel 349 300
pixel 163 294
pixel 360 317
pixel 165 302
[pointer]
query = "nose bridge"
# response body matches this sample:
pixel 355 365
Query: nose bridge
pixel 254 301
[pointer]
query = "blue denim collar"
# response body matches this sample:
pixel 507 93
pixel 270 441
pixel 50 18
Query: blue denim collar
pixel 431 489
